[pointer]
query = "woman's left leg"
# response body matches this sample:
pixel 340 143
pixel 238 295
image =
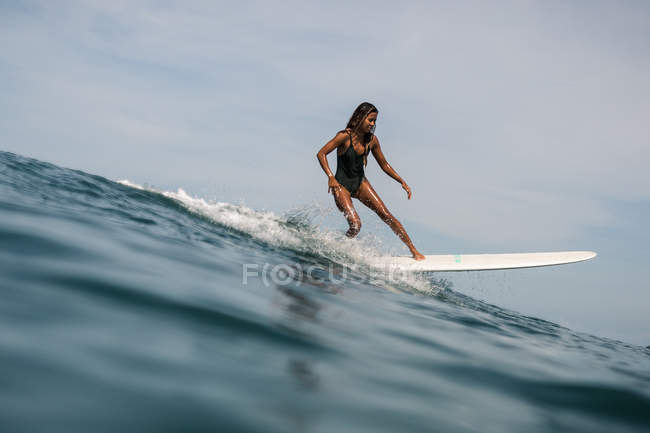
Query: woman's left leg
pixel 367 195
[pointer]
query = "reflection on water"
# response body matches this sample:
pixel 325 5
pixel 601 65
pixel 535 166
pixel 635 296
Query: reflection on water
pixel 304 374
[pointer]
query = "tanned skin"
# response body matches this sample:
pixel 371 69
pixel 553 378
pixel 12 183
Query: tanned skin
pixel 366 194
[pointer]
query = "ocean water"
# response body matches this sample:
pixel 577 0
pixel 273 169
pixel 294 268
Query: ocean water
pixel 123 308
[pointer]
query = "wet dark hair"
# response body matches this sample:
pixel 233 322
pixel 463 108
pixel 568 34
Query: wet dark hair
pixel 363 110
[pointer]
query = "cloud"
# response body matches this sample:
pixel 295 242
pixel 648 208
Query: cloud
pixel 546 103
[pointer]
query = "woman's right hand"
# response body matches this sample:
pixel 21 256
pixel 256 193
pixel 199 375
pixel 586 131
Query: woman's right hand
pixel 332 184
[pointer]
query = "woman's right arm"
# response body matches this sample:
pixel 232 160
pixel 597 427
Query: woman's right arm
pixel 334 143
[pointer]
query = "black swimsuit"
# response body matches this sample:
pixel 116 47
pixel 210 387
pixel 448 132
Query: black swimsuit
pixel 349 168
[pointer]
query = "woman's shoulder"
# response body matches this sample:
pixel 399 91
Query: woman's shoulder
pixel 340 139
pixel 342 135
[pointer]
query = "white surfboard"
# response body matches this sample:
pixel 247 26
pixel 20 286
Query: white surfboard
pixel 482 262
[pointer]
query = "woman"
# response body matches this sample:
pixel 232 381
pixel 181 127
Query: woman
pixel 353 145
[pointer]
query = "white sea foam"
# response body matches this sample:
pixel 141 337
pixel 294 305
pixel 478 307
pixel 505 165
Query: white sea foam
pixel 296 232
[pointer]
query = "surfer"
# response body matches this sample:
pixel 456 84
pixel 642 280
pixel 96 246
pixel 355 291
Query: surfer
pixel 353 145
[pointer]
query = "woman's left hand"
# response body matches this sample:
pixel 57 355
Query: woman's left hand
pixel 407 189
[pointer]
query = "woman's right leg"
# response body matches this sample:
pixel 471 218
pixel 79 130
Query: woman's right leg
pixel 344 203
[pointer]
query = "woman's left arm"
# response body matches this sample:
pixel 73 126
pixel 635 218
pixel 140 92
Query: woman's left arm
pixel 385 166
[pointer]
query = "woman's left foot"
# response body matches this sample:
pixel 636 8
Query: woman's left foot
pixel 418 256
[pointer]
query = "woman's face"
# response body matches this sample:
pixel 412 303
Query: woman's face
pixel 368 124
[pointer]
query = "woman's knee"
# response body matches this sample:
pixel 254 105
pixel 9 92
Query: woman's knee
pixel 355 224
pixel 355 227
pixel 384 215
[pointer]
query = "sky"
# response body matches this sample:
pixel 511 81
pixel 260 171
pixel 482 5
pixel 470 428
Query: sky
pixel 520 125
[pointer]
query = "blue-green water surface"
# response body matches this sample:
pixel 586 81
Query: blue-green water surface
pixel 128 309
